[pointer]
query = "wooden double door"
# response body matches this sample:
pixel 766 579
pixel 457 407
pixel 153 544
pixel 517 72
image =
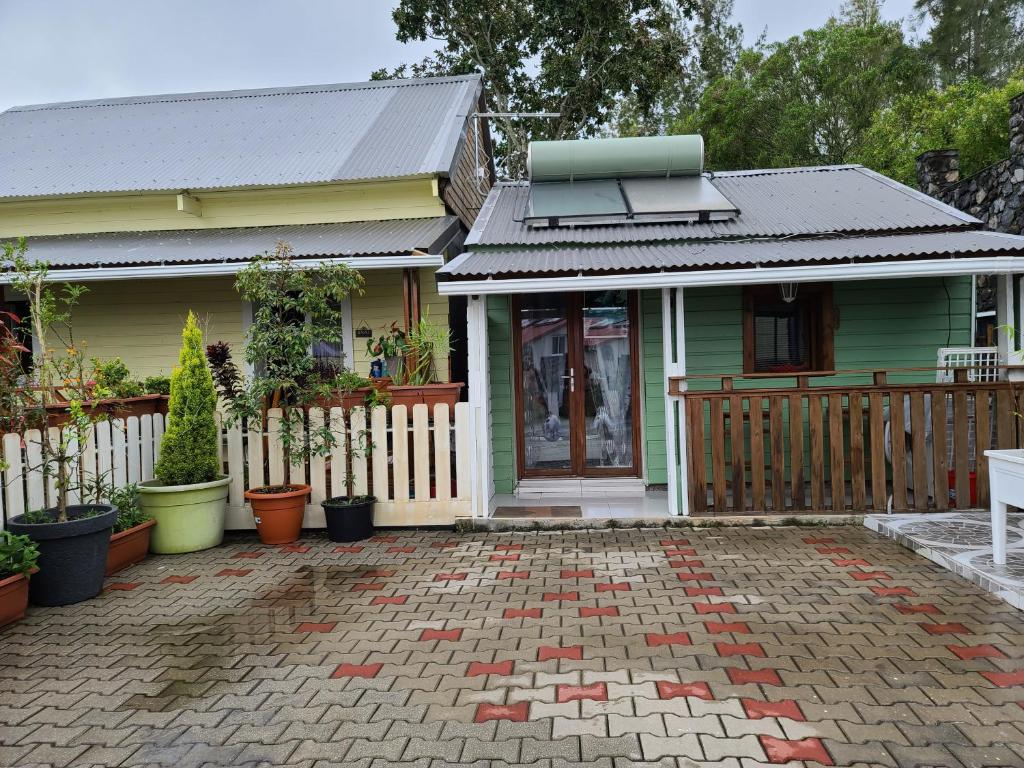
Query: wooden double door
pixel 577 379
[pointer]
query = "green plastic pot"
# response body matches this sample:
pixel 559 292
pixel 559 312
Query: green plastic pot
pixel 188 517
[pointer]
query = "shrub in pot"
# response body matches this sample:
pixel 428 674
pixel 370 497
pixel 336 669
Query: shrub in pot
pixel 188 498
pixel 72 538
pixel 349 518
pixel 18 556
pixel 424 343
pixel 295 311
pixel 129 543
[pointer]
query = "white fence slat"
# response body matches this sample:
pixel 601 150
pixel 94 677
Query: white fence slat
pixel 236 465
pixel 134 447
pixel 442 453
pixel 220 437
pixel 275 451
pixel 317 461
pixel 103 451
pixel 361 442
pixel 53 435
pixel 119 458
pixel 297 465
pixel 400 451
pixel 254 446
pixel 421 451
pixel 463 445
pixel 77 465
pixel 339 454
pixel 35 490
pixel 379 436
pixel 158 435
pixel 14 494
pixel 148 448
pixel 89 459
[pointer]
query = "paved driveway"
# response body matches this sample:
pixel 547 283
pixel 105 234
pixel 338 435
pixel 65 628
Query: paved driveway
pixel 725 647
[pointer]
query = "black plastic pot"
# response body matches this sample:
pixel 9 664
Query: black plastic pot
pixel 348 521
pixel 72 555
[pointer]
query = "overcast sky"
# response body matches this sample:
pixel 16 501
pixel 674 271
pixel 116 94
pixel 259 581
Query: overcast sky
pixel 62 50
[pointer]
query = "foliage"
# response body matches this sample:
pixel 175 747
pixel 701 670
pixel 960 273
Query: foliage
pixel 347 382
pixel 113 379
pixel 808 100
pixel 712 43
pixel 129 511
pixel 157 385
pixel 425 342
pixel 226 375
pixel 388 344
pixel 971 117
pixel 974 39
pixel 293 308
pixel 188 452
pixel 18 554
pixel 13 417
pixel 54 373
pixel 575 57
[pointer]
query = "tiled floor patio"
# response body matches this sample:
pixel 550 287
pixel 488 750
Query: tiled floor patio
pixel 728 647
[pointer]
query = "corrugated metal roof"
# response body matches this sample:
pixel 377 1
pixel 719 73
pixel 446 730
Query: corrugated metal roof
pixel 229 139
pixel 772 203
pixel 700 255
pixel 361 238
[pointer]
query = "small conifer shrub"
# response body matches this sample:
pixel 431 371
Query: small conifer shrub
pixel 188 452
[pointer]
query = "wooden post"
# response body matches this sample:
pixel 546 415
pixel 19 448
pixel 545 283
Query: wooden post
pixel 479 399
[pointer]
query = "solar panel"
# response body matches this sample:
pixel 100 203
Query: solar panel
pixel 573 199
pixel 634 200
pixel 685 194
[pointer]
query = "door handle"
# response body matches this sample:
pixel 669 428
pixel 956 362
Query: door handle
pixel 572 379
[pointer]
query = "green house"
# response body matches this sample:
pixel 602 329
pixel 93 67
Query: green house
pixel 648 338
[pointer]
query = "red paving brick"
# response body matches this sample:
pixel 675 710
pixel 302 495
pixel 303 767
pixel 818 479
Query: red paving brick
pixel 503 558
pixel 234 572
pixel 593 692
pixel 586 612
pixel 393 600
pixel 312 626
pixel 757 710
pixel 296 548
pixel 247 555
pixel 967 652
pixel 655 639
pixel 372 586
pixel 753 676
pixel 912 609
pixel 704 592
pixel 706 608
pixel 784 751
pixel 740 649
pixel 450 577
pixel 523 613
pixel 1005 679
pixel 357 670
pixel 612 588
pixel 517 713
pixel 894 591
pixel 695 576
pixel 179 579
pixel 489 668
pixel 124 586
pixel 669 690
pixel 584 574
pixel 554 597
pixel 440 634
pixel 514 575
pixel 733 627
pixel 952 628
pixel 349 550
pixel 548 652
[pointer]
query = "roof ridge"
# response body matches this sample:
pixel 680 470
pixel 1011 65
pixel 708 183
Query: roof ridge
pixel 791 169
pixel 144 99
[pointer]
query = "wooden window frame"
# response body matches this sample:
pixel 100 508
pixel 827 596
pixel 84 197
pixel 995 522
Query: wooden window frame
pixel 817 298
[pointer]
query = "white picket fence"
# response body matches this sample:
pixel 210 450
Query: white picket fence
pixel 417 468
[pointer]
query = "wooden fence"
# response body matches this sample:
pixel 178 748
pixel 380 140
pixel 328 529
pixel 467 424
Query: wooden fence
pixel 831 449
pixel 418 467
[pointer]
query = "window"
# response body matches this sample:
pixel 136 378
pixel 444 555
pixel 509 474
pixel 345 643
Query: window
pixel 787 337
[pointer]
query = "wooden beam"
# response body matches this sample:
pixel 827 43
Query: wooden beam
pixel 189 205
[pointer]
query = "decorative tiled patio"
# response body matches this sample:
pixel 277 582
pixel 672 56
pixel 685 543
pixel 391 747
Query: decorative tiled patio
pixel 962 542
pixel 727 647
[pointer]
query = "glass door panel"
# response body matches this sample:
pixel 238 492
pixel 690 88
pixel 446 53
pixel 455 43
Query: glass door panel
pixel 608 368
pixel 546 384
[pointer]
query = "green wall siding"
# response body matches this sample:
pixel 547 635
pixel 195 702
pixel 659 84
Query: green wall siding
pixel 880 324
pixel 499 339
pixel 654 388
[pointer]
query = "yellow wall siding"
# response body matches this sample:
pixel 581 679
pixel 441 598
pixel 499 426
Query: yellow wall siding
pixel 320 204
pixel 382 303
pixel 141 321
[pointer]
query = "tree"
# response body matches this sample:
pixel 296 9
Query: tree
pixel 970 117
pixel 575 57
pixel 974 39
pixel 861 13
pixel 807 100
pixel 188 451
pixel 712 42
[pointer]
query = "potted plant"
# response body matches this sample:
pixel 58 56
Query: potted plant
pixel 18 556
pixel 109 388
pixel 188 498
pixel 424 343
pixel 388 347
pixel 293 310
pixel 130 540
pixel 72 538
pixel 349 518
pixel 160 386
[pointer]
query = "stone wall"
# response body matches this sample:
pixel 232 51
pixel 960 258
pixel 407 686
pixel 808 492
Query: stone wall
pixel 995 194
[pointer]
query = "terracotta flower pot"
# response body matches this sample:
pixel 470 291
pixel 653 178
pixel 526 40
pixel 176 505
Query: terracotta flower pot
pixel 428 394
pixel 278 511
pixel 13 598
pixel 128 547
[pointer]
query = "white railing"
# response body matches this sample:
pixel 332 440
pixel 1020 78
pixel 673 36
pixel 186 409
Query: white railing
pixel 416 466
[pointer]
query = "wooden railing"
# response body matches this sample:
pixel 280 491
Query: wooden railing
pixel 753 446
